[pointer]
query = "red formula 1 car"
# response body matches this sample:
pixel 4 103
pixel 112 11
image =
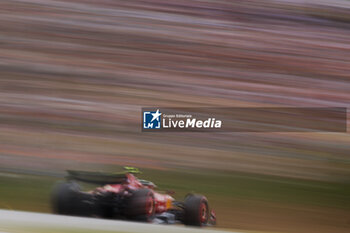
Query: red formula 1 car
pixel 123 196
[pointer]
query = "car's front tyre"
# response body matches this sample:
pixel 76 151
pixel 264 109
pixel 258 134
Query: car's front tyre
pixel 196 210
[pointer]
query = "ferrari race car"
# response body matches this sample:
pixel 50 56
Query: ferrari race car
pixel 124 196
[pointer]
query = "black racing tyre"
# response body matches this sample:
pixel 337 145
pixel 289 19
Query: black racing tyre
pixel 65 197
pixel 141 206
pixel 196 210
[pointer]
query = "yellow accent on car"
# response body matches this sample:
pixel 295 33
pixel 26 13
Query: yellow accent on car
pixel 169 203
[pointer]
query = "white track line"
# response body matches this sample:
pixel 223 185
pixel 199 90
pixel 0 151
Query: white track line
pixel 18 221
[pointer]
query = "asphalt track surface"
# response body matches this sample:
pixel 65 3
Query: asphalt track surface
pixel 19 221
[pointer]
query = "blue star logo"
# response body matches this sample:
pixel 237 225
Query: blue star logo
pixel 152 120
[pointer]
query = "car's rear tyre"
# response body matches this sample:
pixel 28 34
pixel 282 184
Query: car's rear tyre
pixel 65 198
pixel 196 210
pixel 141 206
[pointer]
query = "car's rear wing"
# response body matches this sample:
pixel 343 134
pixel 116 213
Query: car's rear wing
pixel 101 178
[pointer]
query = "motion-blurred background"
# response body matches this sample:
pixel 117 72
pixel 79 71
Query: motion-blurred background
pixel 75 74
